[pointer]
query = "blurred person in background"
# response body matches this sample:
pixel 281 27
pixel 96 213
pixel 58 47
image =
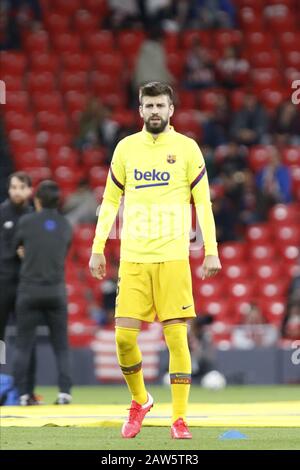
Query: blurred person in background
pixel 151 61
pixel 211 14
pixel 290 328
pixel 96 126
pixel 285 126
pixel 250 123
pixel 274 184
pixel 231 69
pixel 45 237
pixel 16 16
pixel 199 68
pixel 123 14
pixel 81 206
pixel 216 123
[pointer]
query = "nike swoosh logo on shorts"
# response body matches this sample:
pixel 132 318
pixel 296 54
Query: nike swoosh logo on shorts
pixel 184 308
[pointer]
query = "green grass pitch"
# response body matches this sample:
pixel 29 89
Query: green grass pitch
pixel 156 438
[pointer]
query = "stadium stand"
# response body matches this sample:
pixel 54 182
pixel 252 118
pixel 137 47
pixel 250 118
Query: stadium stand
pixel 75 55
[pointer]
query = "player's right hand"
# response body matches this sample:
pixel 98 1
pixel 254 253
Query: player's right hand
pixel 97 265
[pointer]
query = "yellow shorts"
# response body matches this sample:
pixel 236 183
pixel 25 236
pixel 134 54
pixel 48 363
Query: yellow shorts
pixel 149 289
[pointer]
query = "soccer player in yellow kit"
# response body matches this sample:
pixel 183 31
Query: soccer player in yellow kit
pixel 157 170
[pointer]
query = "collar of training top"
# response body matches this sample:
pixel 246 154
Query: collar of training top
pixel 161 138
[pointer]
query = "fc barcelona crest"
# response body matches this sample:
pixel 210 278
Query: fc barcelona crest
pixel 171 158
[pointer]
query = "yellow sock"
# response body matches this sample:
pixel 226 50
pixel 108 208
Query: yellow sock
pixel 130 360
pixel 179 367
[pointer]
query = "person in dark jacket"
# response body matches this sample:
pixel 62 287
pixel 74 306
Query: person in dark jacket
pixel 44 238
pixel 11 210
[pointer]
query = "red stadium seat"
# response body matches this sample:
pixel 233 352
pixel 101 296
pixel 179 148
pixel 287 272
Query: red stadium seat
pixel 226 37
pixel 267 271
pixel 17 101
pixel 171 41
pixel 262 252
pixel 85 22
pixel 284 214
pixel 65 156
pixel 94 157
pixel 237 99
pixel 264 59
pixel 44 62
pixel 32 159
pixel 51 102
pixel 266 78
pixel 236 271
pixel 175 63
pixel 292 58
pixel 259 40
pixel 84 235
pixel 249 19
pixel 259 233
pixel 98 176
pixel 289 253
pixel 99 42
pixel 272 290
pixel 259 156
pixel 102 83
pixel 76 62
pixel 40 82
pixel 187 121
pixel 221 310
pixel 38 174
pixel 209 289
pixel 66 43
pixel 12 83
pixel 37 42
pixel 187 99
pixel 20 121
pixel 56 141
pixel 240 290
pixel 75 101
pixel 52 122
pixel 209 99
pixel 73 82
pixel 288 234
pixel 281 20
pixel 272 98
pixel 288 40
pixel 273 310
pixel 97 7
pixel 22 141
pixel 109 63
pixel 66 7
pixel 232 252
pixel 124 117
pixel 130 41
pixel 66 177
pixel 56 23
pixel 14 63
pixel 291 155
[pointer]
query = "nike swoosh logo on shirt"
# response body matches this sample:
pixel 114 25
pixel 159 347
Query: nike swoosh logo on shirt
pixel 185 307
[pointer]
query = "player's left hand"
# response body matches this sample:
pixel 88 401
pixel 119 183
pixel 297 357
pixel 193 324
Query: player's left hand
pixel 210 267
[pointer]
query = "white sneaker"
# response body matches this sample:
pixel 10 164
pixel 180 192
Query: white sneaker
pixel 63 399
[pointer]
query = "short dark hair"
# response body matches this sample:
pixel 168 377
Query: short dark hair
pixel 21 176
pixel 48 194
pixel 156 89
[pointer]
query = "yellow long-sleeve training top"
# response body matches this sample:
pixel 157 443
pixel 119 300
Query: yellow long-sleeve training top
pixel 158 178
